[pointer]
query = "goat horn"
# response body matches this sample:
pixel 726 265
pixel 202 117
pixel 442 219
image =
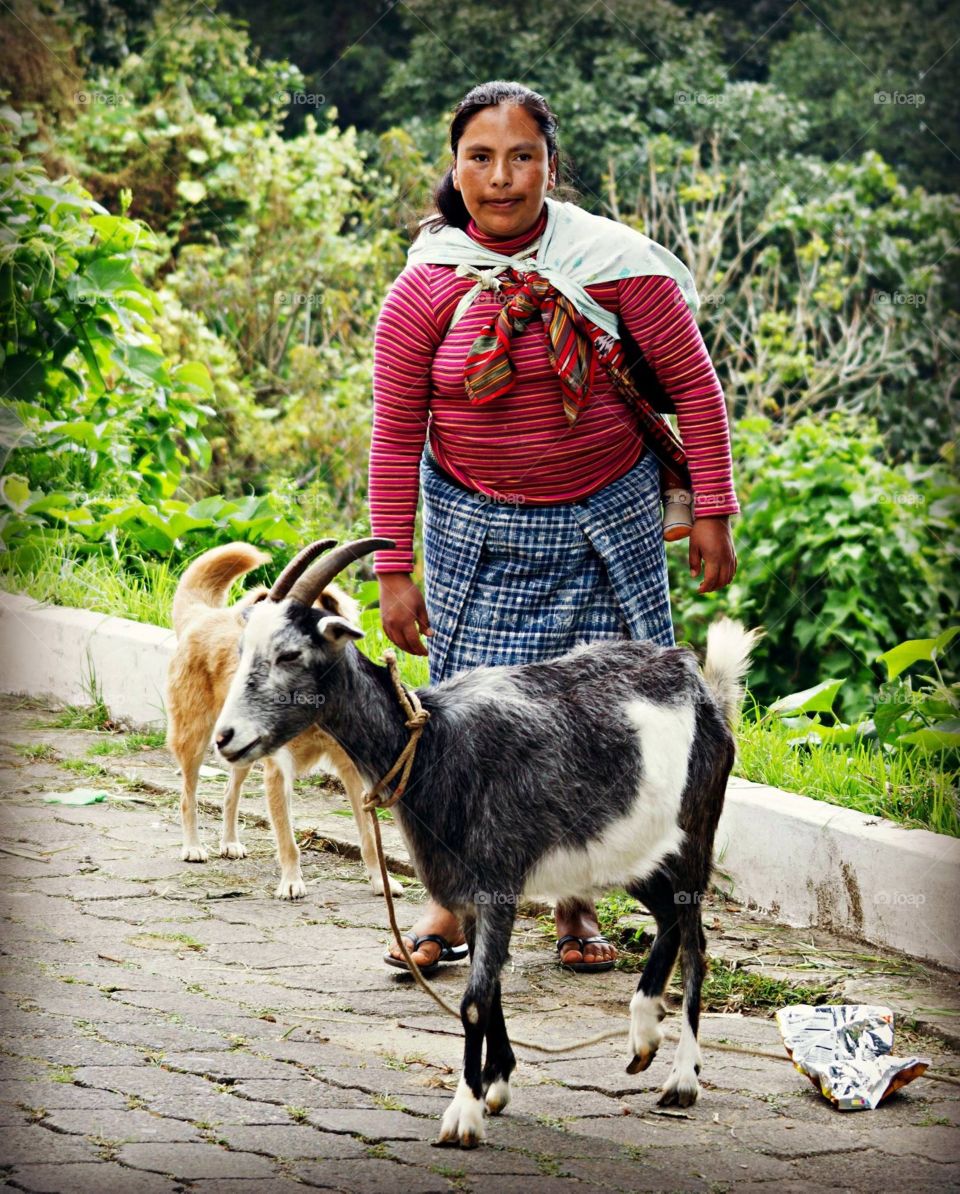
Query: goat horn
pixel 284 582
pixel 320 574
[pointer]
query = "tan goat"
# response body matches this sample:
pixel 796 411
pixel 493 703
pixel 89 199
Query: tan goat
pixel 199 676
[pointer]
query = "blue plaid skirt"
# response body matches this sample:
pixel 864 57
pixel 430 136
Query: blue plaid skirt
pixel 507 583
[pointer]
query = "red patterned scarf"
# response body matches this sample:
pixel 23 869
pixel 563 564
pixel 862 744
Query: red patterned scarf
pixel 574 345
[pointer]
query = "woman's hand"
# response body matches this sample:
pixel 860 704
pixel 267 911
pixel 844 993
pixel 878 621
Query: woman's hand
pixel 403 612
pixel 711 551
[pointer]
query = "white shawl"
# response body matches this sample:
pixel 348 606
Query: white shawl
pixel 576 250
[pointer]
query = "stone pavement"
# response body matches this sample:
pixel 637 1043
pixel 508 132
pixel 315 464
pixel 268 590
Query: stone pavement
pixel 172 1027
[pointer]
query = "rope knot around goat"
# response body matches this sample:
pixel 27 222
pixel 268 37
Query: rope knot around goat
pixel 416 718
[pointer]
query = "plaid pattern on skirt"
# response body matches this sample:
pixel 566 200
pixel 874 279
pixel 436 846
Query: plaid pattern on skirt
pixel 507 583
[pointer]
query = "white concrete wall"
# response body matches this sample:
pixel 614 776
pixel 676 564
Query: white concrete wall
pixel 808 862
pixel 812 863
pixel 48 651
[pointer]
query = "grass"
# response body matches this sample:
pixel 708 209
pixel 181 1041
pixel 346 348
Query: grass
pixel 127 744
pixel 413 668
pixel 631 940
pixel 389 1102
pixel 166 941
pixel 38 752
pixel 64 574
pixel 95 716
pixel 906 786
pixel 85 767
pixel 383 814
pixel 729 988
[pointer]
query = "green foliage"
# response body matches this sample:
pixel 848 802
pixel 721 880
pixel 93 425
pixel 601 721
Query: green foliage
pixel 289 288
pixel 925 719
pixel 908 786
pixel 820 283
pixel 731 988
pixel 161 124
pixel 110 31
pixel 900 759
pixel 840 553
pixel 99 423
pixel 872 79
pixel 81 373
pixel 206 54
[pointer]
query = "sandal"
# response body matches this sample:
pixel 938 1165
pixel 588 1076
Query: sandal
pixel 584 967
pixel 448 952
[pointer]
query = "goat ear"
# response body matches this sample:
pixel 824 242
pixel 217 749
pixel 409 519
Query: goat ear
pixel 337 630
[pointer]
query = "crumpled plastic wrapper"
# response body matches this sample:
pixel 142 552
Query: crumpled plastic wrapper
pixel 845 1051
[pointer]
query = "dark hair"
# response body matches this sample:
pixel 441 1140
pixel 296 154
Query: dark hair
pixel 450 208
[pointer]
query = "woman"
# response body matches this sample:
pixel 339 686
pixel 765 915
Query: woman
pixel 540 483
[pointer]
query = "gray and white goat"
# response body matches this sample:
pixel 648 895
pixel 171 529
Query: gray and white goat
pixel 605 767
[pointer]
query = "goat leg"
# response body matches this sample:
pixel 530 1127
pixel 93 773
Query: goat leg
pixel 647 1008
pixel 682 1086
pixel 230 845
pixel 278 783
pixel 500 1062
pixel 489 938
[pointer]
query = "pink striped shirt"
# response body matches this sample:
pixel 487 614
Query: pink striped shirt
pixel 520 446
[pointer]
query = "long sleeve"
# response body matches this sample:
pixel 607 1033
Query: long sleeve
pixel 664 327
pixel 405 340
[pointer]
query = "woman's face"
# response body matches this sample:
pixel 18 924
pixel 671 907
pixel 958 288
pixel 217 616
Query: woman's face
pixel 502 156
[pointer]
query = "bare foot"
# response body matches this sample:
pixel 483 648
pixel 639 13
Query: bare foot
pixel 435 919
pixel 580 920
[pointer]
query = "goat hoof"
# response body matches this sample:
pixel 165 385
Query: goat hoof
pixel 291 889
pixel 193 854
pixel 462 1121
pixel 396 889
pixel 497 1096
pixel 641 1061
pixel 232 850
pixel 678 1094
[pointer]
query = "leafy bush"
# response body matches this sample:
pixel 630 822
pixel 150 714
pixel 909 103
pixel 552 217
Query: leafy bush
pixel 207 54
pixel 900 760
pixel 159 124
pixel 840 553
pixel 293 289
pixel 901 717
pixel 99 423
pixel 820 283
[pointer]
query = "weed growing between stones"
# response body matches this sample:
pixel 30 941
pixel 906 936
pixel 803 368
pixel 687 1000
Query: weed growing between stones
pixel 37 752
pixel 730 988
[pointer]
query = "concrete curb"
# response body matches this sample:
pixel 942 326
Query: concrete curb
pixel 805 861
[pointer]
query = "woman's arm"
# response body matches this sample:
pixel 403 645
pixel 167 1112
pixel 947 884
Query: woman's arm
pixel 405 340
pixel 660 321
pixel 658 318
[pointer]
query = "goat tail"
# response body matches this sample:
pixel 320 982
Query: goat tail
pixel 207 581
pixel 728 658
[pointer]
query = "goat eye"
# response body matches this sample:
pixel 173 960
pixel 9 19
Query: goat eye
pixel 288 657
